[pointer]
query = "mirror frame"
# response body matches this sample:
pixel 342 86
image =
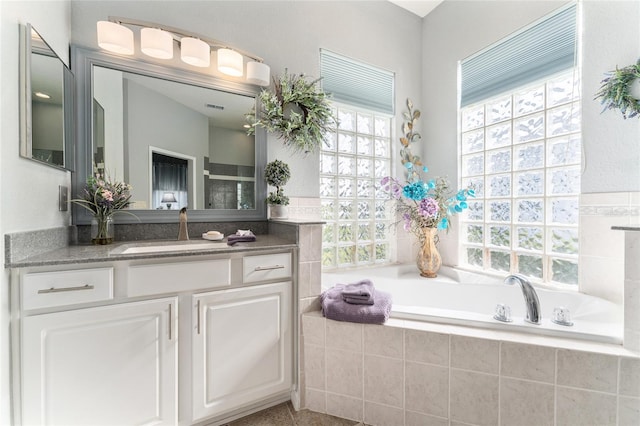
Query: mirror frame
pixel 83 61
pixel 26 117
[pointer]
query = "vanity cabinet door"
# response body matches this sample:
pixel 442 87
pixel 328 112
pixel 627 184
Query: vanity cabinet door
pixel 242 347
pixel 108 365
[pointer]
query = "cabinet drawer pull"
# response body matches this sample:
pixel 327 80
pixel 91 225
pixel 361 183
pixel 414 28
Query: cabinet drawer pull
pixel 62 289
pixel 268 268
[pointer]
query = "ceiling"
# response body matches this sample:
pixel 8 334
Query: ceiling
pixel 419 7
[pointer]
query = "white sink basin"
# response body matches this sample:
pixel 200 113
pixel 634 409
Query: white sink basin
pixel 165 247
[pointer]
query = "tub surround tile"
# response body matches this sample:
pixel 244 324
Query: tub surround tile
pixel 382 415
pixel 632 253
pixel 475 354
pixel 628 411
pixel 384 341
pixel 474 397
pixel 379 373
pixel 344 372
pixel 418 419
pixel 314 366
pixel 528 362
pixel 581 407
pixel 610 243
pixel 587 371
pixel 630 377
pixel 316 400
pixel 423 346
pixel 309 279
pixel 594 271
pixel 426 388
pixel 526 403
pixel 313 330
pixel 383 380
pixel 344 335
pixel 345 407
pixel 632 303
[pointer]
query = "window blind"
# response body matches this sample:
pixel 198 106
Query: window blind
pixel 539 51
pixel 356 83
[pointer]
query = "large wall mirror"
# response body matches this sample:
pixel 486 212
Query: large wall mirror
pixel 177 137
pixel 46 102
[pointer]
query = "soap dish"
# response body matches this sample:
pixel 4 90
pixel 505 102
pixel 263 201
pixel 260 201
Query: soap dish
pixel 213 237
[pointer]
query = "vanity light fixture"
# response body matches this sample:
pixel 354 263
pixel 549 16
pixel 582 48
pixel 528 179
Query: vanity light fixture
pixel 156 41
pixel 195 52
pixel 230 62
pixel 115 38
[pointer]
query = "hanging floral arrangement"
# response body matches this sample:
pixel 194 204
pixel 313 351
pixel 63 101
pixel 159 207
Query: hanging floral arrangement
pixel 621 90
pixel 297 109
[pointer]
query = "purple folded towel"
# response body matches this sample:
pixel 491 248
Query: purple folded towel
pixel 233 239
pixel 335 308
pixel 360 293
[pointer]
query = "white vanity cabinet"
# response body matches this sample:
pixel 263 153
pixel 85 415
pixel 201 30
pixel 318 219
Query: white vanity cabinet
pixel 107 365
pixel 172 340
pixel 241 348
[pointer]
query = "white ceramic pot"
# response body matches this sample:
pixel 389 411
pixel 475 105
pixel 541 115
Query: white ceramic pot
pixel 278 211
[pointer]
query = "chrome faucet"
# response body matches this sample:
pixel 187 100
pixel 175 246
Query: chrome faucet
pixel 530 297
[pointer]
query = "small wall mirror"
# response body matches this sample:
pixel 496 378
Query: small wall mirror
pixel 177 137
pixel 46 103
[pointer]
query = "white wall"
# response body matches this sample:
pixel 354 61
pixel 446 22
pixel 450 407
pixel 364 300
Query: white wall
pixel 286 34
pixel 29 191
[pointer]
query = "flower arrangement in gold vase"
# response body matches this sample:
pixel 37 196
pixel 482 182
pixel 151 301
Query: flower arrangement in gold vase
pixel 103 199
pixel 424 205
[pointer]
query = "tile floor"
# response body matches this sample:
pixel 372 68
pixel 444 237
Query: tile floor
pixel 285 415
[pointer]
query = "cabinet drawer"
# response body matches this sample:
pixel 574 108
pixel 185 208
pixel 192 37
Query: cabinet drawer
pixel 178 276
pixel 266 267
pixel 49 289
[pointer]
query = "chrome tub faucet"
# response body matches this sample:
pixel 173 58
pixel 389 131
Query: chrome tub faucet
pixel 530 297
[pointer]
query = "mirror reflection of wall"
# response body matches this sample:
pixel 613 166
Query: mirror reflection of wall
pixel 46 103
pixel 47 112
pixel 203 126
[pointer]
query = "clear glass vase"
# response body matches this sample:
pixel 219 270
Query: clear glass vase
pixel 102 230
pixel 428 259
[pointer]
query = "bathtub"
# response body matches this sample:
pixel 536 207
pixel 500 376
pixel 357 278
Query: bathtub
pixel 464 298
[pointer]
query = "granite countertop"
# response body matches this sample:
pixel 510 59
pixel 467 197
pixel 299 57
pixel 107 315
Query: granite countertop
pixel 88 253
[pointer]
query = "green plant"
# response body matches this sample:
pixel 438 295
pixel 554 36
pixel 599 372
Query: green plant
pixel 277 173
pixel 297 109
pixel 615 91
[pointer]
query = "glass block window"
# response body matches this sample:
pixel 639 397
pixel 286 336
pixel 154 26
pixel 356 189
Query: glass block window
pixel 522 151
pixel 356 155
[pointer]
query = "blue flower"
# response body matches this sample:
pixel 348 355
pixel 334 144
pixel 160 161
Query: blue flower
pixel 415 191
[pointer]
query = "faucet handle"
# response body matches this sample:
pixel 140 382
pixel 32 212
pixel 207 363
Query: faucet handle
pixel 503 313
pixel 562 316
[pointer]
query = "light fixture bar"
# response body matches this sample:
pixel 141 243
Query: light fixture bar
pixel 178 34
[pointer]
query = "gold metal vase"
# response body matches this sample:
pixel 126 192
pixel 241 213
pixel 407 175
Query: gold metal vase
pixel 428 259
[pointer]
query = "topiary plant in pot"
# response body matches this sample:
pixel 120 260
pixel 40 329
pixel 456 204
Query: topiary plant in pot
pixel 277 174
